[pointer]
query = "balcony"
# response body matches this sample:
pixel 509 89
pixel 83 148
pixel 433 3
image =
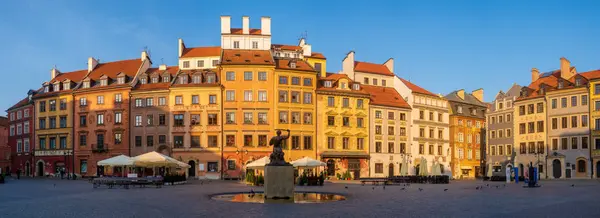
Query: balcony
pixel 99 149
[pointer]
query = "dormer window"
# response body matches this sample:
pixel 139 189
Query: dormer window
pixel 86 84
pixel 196 79
pixel 542 90
pixel 103 82
pixel 459 109
pixel 296 55
pixel 356 86
pixel 66 86
pixel 57 87
pixel 121 80
pixel 155 79
pixel 46 89
pixel 166 79
pixel 183 79
pixel 561 84
pixel 277 54
pixel 578 82
pixel 143 81
pixel 292 64
pixel 287 55
pixel 211 78
pixel 343 85
pixel 327 84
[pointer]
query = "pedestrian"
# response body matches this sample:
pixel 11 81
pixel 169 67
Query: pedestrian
pixel 18 174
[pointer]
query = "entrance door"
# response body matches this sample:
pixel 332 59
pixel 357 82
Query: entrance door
pixel 192 169
pixel 556 169
pixel 354 167
pixel 391 170
pixel 478 172
pixel 40 169
pixel 330 167
pixel 27 169
pixel 568 173
pixel 100 170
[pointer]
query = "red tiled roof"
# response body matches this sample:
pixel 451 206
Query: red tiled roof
pixel 201 52
pixel 317 55
pixel 171 69
pixel 416 88
pixel 203 82
pixel 246 57
pixel 372 68
pixel 74 76
pixel 19 104
pixel 300 65
pixel 112 69
pixel 385 96
pixel 156 86
pixel 335 77
pixel 240 31
pixel 595 74
pixel 286 47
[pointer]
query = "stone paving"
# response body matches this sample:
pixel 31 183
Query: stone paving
pixel 63 198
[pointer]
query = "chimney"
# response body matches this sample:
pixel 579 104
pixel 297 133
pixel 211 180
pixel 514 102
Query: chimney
pixel 535 74
pixel 225 24
pixel 565 68
pixel 390 64
pixel 181 47
pixel 348 65
pixel 306 48
pixel 92 63
pixel 461 94
pixel 265 26
pixel 245 25
pixel 478 94
pixel 144 56
pixel 162 67
pixel 53 73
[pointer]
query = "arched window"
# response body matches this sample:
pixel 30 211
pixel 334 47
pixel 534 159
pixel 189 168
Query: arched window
pixel 581 166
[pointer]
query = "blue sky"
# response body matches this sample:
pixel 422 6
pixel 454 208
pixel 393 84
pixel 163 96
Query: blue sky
pixel 439 45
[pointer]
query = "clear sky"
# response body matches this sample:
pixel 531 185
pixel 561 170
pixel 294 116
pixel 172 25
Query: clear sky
pixel 439 45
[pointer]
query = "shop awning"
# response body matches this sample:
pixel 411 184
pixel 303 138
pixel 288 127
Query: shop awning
pixel 342 154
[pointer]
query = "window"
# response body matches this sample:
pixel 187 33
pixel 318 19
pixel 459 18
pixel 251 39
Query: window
pixel 584 142
pixel 378 129
pixel 439 149
pixel 507 118
pixel 262 140
pixel 383 82
pixel 360 122
pixel 554 123
pixel 166 79
pixel 262 76
pixel 366 81
pixel 262 118
pixel 574 142
pixel 307 98
pixel 162 119
pixel 421 149
pixel 564 143
pixel 331 101
pixel 307 118
pixel 138 120
pixel 440 117
pixel 573 101
pixel 346 121
pixel 186 64
pixel 230 140
pixel 248 76
pixel 531 148
pixel 307 142
pixel 563 102
pixel 248 140
pixel 307 82
pixel 200 63
pixel 540 107
pixel 459 109
pixel 230 76
pixel 52 105
pixel 379 168
pixel 283 96
pixel 540 126
pixel 212 119
pixel 555 144
pixel 162 139
pixel 530 127
pixel 584 100
pixel 195 141
pixel 100 119
pixel 230 95
pixel 597 89
pixel 377 147
pixel 584 120
pixel 296 117
pixel 378 115
pixel 360 142
pixel 254 44
pixel 177 119
pixel 330 142
pixel 431 133
pixel 283 80
pixel 330 120
pixel 564 123
pixel 295 80
pixel 63 106
pixel 522 110
pixel 530 109
pixel 402 131
pixel 82 140
pixel 62 122
pixel 194 119
pixel 248 118
pixel 195 99
pixel 52 124
pixel 421 115
pixel 118 138
pixel 374 81
pixel 236 44
pixel 196 79
pixel 508 133
pixel 52 142
pixel 283 117
pixel 573 121
pixel 212 99
pixel 178 141
pixel 345 102
pixel 41 126
pixel 100 99
pixel 431 149
pixel 178 100
pixel 522 148
pixel 262 96
pixel 248 95
pixel 461 136
pixel 214 63
pixel 390 147
pixel 139 102
pixel 100 141
pixel 295 97
pixel 422 132
pixel 390 115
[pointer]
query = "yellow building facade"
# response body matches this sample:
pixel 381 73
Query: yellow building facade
pixel 343 126
pixel 594 93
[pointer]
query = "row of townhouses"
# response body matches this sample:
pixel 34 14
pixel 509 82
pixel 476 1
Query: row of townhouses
pixel 547 124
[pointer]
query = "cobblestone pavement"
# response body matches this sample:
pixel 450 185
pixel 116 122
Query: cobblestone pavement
pixel 63 198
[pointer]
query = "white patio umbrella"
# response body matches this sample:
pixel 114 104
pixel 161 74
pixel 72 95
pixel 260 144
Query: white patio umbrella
pixel 404 169
pixel 423 167
pixel 435 169
pixel 121 160
pixel 155 159
pixel 307 162
pixel 259 164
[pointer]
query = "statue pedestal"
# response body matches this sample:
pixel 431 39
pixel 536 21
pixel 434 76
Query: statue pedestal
pixel 279 181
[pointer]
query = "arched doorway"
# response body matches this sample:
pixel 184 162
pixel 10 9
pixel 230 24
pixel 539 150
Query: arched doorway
pixel 192 169
pixel 391 170
pixel 417 169
pixel 27 169
pixel 330 167
pixel 556 168
pixel 581 167
pixel 40 168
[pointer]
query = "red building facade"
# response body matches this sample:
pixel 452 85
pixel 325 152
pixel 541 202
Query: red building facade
pixel 21 136
pixel 4 148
